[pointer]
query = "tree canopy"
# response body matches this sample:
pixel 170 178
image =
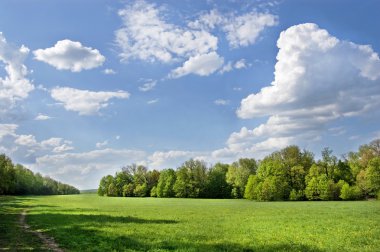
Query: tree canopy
pixel 18 180
pixel 287 174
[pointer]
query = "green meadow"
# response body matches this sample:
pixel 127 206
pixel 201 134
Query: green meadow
pixel 93 223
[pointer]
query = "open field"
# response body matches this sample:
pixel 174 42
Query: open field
pixel 92 223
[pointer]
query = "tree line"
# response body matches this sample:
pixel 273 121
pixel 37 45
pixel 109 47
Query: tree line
pixel 18 180
pixel 287 174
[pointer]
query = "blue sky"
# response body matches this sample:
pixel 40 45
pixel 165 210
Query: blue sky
pixel 89 86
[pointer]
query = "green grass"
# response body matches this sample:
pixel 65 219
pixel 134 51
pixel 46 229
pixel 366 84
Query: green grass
pixel 92 223
pixel 12 236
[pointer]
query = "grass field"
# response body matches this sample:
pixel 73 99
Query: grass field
pixel 92 223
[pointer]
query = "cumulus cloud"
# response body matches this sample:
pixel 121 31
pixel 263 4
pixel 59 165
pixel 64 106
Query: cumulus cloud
pixel 42 117
pixel 202 65
pixel 318 79
pixel 244 30
pixel 14 86
pixel 70 55
pixel 240 30
pixel 146 35
pixel 85 102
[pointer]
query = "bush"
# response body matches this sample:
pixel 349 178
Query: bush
pixel 296 195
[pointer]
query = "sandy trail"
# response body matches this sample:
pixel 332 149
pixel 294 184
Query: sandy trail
pixel 49 242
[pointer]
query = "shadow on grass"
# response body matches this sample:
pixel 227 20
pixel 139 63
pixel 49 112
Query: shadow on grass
pixel 91 219
pixel 12 236
pixel 92 240
pixel 76 232
pixel 81 232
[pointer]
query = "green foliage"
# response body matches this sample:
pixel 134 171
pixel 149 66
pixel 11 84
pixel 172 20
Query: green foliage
pixel 153 192
pixel 141 190
pixel 287 174
pixel 18 180
pixel 350 192
pixel 217 186
pixel 165 186
pixel 373 176
pixel 251 187
pixel 191 179
pixel 128 190
pixel 296 195
pixel 238 173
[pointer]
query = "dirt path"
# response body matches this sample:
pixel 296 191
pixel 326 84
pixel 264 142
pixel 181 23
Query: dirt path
pixel 48 241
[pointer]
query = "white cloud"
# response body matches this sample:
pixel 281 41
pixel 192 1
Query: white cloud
pixel 240 30
pixel 202 65
pixel 148 86
pixel 240 64
pixel 42 117
pixel 318 79
pixel 14 86
pixel 101 144
pixel 85 169
pixel 145 35
pixel 221 102
pixel 244 30
pixel 230 66
pixel 226 68
pixel 117 137
pixel 85 102
pixel 70 55
pixel 169 159
pixel 152 101
pixel 109 71
pixel 63 148
pixel 25 148
pixel 7 129
pixel 26 140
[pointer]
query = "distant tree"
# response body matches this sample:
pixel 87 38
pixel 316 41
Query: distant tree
pixel 166 181
pixel 238 174
pixel 373 176
pixel 104 184
pixel 252 188
pixel 7 175
pixel 128 190
pixel 216 186
pixel 191 179
pixel 141 190
pixel 153 192
pixel 152 178
pixel 121 179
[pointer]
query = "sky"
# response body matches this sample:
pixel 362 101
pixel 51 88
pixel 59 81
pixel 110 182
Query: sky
pixel 87 87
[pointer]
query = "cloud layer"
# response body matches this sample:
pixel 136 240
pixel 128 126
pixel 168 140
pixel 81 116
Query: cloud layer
pixel 240 30
pixel 14 86
pixel 25 148
pixel 145 35
pixel 70 55
pixel 85 102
